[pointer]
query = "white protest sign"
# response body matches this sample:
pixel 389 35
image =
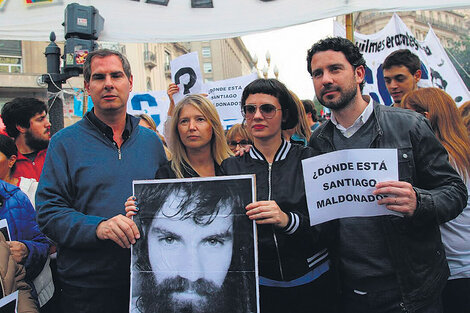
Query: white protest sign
pixel 186 73
pixel 340 183
pixel 437 69
pixel 8 304
pixel 153 103
pixel 226 95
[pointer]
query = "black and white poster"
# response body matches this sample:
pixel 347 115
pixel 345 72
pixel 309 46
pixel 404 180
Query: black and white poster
pixel 197 251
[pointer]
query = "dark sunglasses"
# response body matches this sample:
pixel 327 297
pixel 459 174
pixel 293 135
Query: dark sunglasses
pixel 267 110
pixel 242 143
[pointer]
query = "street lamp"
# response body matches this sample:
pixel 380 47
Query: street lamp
pixel 266 68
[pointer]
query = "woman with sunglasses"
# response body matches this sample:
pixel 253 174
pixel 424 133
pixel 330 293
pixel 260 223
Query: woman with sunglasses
pixel 238 137
pixel 293 267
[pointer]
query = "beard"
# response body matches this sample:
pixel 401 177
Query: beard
pixel 35 143
pixel 346 95
pixel 159 297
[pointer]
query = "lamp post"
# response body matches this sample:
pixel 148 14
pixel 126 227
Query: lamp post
pixel 267 67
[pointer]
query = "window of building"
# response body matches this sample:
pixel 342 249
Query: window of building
pixel 167 60
pixel 10 64
pixel 206 52
pixel 207 67
pixel 10 56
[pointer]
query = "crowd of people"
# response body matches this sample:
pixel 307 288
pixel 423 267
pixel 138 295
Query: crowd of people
pixel 72 193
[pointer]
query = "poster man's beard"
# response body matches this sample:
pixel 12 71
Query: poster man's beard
pixel 161 298
pixel 35 143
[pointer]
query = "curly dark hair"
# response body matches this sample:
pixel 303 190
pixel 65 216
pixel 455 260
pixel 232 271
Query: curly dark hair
pixel 339 44
pixel 19 111
pixel 208 197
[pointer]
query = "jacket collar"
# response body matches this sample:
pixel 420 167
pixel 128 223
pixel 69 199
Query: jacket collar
pixel 281 153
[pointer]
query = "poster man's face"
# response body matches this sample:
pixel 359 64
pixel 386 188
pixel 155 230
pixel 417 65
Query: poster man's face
pixel 190 261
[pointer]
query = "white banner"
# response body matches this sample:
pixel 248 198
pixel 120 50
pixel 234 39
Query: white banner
pixel 226 95
pixel 188 20
pixel 153 103
pixel 340 183
pixel 438 70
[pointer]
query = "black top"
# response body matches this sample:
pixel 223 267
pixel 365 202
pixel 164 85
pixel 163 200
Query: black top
pixel 188 172
pixel 106 130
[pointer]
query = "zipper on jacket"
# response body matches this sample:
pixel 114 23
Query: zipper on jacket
pixel 270 166
pixel 118 150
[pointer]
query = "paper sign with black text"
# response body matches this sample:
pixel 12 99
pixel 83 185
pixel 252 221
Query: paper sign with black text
pixel 8 304
pixel 186 73
pixel 226 95
pixel 340 183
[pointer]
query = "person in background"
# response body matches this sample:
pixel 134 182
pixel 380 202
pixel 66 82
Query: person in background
pixel 95 161
pixel 148 122
pixel 402 72
pixel 441 111
pixel 12 276
pixel 238 137
pixel 301 133
pixel 386 263
pixel 464 110
pixel 293 267
pixel 27 123
pixel 311 113
pixel 28 246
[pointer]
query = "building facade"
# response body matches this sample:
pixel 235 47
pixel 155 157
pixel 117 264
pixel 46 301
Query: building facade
pixel 22 64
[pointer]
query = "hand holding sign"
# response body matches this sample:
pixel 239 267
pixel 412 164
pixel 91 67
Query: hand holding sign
pixel 401 196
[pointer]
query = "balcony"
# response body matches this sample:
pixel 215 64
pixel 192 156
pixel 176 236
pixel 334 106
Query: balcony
pixel 150 60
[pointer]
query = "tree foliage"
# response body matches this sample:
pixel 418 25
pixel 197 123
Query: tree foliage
pixel 459 54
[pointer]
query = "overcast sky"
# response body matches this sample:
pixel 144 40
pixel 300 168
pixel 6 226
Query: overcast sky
pixel 288 48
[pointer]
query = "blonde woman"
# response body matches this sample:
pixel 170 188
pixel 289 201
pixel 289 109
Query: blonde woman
pixel 198 145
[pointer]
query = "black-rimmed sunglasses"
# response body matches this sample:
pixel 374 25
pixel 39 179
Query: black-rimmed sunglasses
pixel 242 143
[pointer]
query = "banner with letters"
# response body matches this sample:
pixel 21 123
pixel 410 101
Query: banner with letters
pixel 437 69
pixel 340 184
pixel 188 20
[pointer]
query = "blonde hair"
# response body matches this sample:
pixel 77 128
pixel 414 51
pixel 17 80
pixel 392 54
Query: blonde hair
pixel 446 123
pixel 219 148
pixel 149 121
pixel 238 130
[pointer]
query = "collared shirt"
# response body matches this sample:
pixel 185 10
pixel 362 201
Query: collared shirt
pixel 361 120
pixel 108 131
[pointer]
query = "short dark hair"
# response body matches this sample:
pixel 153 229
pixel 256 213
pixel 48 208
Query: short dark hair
pixel 205 195
pixel 273 87
pixel 403 57
pixel 8 148
pixel 104 53
pixel 339 44
pixel 19 111
pixel 309 106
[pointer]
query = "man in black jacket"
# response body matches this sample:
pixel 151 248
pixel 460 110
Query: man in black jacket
pixel 386 263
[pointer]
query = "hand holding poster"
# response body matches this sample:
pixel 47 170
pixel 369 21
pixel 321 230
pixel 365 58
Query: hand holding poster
pixel 186 73
pixel 340 183
pixel 197 251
